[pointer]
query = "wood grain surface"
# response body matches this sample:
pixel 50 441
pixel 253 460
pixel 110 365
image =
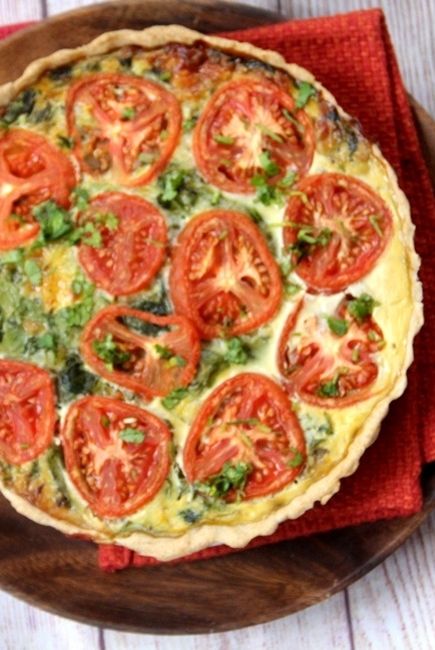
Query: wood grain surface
pixel 394 606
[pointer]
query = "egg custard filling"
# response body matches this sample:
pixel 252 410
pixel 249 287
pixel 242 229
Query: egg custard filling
pixel 208 291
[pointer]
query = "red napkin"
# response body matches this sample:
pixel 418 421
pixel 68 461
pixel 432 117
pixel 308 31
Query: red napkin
pixel 353 57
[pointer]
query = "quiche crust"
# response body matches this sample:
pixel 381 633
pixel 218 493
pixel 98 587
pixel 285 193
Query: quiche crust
pixel 236 536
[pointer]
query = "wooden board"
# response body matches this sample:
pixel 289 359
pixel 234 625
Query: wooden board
pixel 60 575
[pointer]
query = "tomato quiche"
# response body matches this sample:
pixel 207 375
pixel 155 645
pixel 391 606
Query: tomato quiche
pixel 208 291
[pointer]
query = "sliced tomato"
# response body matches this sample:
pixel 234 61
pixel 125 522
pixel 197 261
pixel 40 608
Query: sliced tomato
pixel 27 413
pixel 323 367
pixel 223 276
pixel 244 120
pixel 151 355
pixel 132 251
pixel 124 124
pixel 247 420
pixel 337 229
pixel 117 455
pixel 31 171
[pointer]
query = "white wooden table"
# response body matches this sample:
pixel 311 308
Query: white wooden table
pixel 392 608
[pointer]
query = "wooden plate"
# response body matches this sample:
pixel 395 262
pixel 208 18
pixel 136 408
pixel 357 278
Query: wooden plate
pixel 60 575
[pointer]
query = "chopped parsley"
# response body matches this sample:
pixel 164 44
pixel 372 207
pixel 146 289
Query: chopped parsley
pixel 134 436
pixel 362 307
pixel 305 92
pixel 297 460
pixel 33 272
pixel 329 388
pixel 270 167
pixel 223 139
pixel 307 239
pixel 108 351
pixel 338 326
pixel 173 360
pixel 231 477
pixel 174 398
pixel 128 113
pixel 236 352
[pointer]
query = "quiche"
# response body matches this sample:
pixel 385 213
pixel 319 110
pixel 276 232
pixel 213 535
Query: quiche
pixel 208 291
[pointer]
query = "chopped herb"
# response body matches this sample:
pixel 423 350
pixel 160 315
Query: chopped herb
pixel 81 198
pixel 33 272
pixel 297 459
pixel 134 436
pixel 307 239
pixel 291 288
pixel 189 123
pixel 74 379
pixel 223 139
pixel 55 222
pixel 266 194
pixel 293 120
pixel 250 422
pixel 128 113
pixel 108 351
pixel 65 142
pixel 374 220
pixel 231 477
pixel 338 326
pixel 61 73
pixel 22 105
pixel 305 92
pixel 174 398
pixel 329 388
pixel 190 516
pixel 163 75
pixel 45 342
pixel 15 256
pixel 273 136
pixel 362 307
pixel 288 180
pixel 236 351
pixel 180 189
pixel 356 355
pixel 163 351
pixel 269 165
pixel 105 421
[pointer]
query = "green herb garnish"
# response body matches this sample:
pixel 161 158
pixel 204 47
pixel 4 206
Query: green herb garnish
pixel 338 326
pixel 305 92
pixel 134 436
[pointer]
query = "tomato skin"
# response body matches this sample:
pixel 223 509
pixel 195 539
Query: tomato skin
pixel 27 411
pixel 346 207
pixel 154 377
pixel 134 252
pixel 223 276
pixel 305 367
pixel 236 405
pixel 115 477
pixel 237 111
pixel 31 171
pixel 116 142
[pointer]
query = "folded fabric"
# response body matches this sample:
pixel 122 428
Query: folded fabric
pixel 353 57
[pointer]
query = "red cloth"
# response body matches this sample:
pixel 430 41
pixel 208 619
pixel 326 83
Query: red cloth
pixel 353 57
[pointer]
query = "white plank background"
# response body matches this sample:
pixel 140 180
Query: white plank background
pixel 393 607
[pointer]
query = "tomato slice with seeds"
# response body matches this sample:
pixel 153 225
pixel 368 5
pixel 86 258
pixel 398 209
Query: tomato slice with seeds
pixel 151 355
pixel 131 252
pixel 116 454
pixel 27 411
pixel 243 120
pixel 223 276
pixel 337 229
pixel 31 171
pixel 248 419
pixel 122 124
pixel 330 368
